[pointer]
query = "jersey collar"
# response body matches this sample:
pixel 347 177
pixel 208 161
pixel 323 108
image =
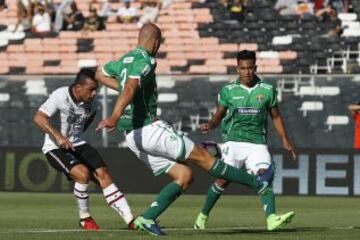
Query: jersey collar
pixel 142 49
pixel 257 79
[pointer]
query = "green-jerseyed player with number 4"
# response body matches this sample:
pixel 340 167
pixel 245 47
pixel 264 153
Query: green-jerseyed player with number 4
pixel 156 143
pixel 243 106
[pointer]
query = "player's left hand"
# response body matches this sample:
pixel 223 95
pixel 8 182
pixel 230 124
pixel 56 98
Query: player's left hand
pixel 291 148
pixel 108 123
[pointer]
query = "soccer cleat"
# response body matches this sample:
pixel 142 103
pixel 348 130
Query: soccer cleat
pixel 266 178
pixel 200 222
pixel 131 225
pixel 148 225
pixel 88 224
pixel 274 222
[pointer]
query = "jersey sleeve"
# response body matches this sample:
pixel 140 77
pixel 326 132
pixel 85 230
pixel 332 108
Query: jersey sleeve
pixel 51 105
pixel 111 69
pixel 223 98
pixel 140 69
pixel 273 98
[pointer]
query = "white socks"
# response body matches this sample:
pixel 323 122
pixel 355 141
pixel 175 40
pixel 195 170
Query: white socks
pixel 113 196
pixel 117 201
pixel 82 199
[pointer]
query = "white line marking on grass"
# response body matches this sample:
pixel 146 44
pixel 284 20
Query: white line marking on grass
pixel 175 229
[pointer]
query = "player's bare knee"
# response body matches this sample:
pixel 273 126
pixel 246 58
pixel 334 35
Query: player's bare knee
pixel 184 177
pixel 200 156
pixel 80 173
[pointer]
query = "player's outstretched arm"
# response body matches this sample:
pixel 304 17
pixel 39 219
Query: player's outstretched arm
pixel 215 120
pixel 123 100
pixel 110 82
pixel 42 121
pixel 280 129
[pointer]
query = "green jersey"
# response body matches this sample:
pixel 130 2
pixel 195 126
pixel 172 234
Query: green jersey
pixel 140 65
pixel 246 119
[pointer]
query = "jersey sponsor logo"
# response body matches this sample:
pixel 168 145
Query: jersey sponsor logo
pixel 146 70
pixel 238 97
pixel 248 111
pixel 260 97
pixel 128 60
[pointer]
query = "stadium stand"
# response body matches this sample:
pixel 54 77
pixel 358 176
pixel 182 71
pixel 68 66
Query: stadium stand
pixel 187 101
pixel 199 38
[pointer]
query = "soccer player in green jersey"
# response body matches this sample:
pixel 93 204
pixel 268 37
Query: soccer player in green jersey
pixel 243 106
pixel 155 142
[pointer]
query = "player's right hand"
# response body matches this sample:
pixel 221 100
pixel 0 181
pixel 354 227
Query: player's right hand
pixel 204 128
pixel 108 123
pixel 64 143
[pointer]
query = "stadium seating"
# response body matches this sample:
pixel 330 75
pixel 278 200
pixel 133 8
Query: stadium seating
pixel 200 38
pixel 188 101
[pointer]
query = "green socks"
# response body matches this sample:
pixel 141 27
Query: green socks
pixel 213 195
pixel 268 201
pixel 167 195
pixel 227 172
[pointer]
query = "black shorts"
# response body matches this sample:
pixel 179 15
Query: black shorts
pixel 64 160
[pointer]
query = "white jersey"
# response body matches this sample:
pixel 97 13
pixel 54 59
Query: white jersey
pixel 71 121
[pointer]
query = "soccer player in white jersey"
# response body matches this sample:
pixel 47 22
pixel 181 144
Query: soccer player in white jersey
pixel 68 152
pixel 243 107
pixel 156 143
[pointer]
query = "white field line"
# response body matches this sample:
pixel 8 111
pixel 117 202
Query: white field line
pixel 174 229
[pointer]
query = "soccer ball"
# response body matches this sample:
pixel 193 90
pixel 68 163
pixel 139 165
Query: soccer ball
pixel 212 147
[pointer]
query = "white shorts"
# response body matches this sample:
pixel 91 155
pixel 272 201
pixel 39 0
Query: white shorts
pixel 249 155
pixel 159 146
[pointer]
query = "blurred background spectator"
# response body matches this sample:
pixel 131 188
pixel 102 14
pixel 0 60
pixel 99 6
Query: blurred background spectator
pixel 74 21
pixel 24 15
pixel 62 9
pixel 93 22
pixel 340 6
pixel 318 5
pixel 127 13
pixel 329 15
pixel 237 10
pixel 304 9
pixel 285 7
pixel 105 9
pixel 41 22
pixel 151 9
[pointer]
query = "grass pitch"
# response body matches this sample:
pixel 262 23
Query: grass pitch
pixel 54 216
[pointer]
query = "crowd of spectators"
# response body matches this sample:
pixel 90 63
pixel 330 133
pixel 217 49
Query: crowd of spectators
pixel 318 10
pixel 322 10
pixel 43 16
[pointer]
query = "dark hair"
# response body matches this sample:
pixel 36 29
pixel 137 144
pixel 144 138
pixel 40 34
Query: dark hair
pixel 83 75
pixel 246 55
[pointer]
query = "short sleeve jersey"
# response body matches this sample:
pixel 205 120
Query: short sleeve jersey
pixel 140 65
pixel 71 119
pixel 246 120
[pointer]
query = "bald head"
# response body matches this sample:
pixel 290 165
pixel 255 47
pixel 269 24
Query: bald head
pixel 150 37
pixel 149 31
